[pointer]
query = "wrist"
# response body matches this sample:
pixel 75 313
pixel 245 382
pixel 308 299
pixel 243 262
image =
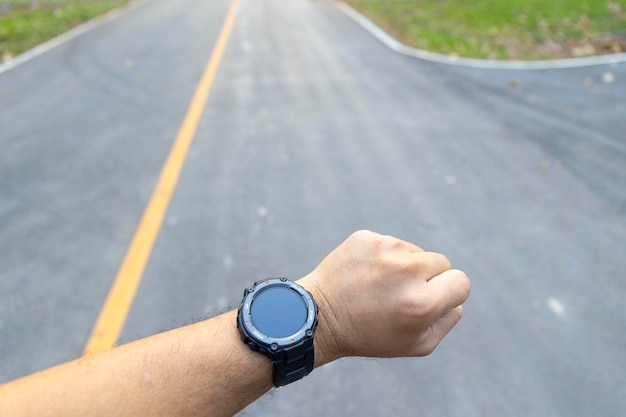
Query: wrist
pixel 324 341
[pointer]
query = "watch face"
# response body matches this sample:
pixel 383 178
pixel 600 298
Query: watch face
pixel 278 312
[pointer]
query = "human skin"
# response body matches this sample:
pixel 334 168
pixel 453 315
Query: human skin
pixel 378 296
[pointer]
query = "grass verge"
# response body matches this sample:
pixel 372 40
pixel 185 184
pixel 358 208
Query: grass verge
pixel 27 23
pixel 504 29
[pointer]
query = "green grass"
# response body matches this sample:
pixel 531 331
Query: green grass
pixel 27 23
pixel 504 29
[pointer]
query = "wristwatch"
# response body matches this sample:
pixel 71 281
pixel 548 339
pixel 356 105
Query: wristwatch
pixel 278 317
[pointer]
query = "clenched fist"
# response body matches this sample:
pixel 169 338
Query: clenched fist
pixel 383 297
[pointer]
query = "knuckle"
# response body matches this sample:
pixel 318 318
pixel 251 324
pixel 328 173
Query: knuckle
pixel 363 239
pixel 443 261
pixel 363 235
pixel 417 307
pixel 370 242
pixel 392 265
pixel 436 262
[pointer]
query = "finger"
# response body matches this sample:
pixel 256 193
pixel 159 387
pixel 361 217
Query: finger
pixel 426 265
pixel 447 321
pixel 449 290
pixel 402 244
pixel 411 247
pixel 441 327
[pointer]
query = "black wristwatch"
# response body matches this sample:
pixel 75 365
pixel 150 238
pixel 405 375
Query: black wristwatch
pixel 278 317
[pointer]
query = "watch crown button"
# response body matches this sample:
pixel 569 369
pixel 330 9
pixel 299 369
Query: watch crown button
pixel 253 346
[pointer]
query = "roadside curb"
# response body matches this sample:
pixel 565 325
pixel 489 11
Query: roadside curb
pixel 396 46
pixel 69 35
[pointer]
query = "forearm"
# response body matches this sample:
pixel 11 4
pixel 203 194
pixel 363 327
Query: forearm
pixel 199 370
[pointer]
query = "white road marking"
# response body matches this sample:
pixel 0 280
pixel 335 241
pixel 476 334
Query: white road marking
pixel 556 306
pixel 227 262
pixel 608 78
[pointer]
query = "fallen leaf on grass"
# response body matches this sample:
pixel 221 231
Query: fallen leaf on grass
pixel 583 50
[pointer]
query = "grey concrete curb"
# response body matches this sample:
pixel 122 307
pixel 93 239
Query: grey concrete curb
pixel 393 44
pixel 69 35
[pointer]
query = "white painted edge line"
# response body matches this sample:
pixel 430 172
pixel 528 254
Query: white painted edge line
pixel 69 35
pixel 393 44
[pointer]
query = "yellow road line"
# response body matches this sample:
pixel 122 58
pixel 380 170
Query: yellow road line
pixel 107 329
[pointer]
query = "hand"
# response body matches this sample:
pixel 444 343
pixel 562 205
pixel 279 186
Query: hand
pixel 383 297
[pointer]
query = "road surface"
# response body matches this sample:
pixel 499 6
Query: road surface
pixel 313 130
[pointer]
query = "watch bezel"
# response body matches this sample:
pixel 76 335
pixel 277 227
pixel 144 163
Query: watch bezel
pixel 246 322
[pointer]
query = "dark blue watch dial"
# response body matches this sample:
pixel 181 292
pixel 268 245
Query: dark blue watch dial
pixel 278 312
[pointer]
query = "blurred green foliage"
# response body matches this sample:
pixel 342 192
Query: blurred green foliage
pixel 504 29
pixel 26 23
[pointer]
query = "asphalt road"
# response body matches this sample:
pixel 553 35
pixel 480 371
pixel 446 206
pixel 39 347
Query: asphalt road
pixel 313 130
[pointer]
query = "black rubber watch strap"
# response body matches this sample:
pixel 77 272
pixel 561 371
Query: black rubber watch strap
pixel 292 357
pixel 293 364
